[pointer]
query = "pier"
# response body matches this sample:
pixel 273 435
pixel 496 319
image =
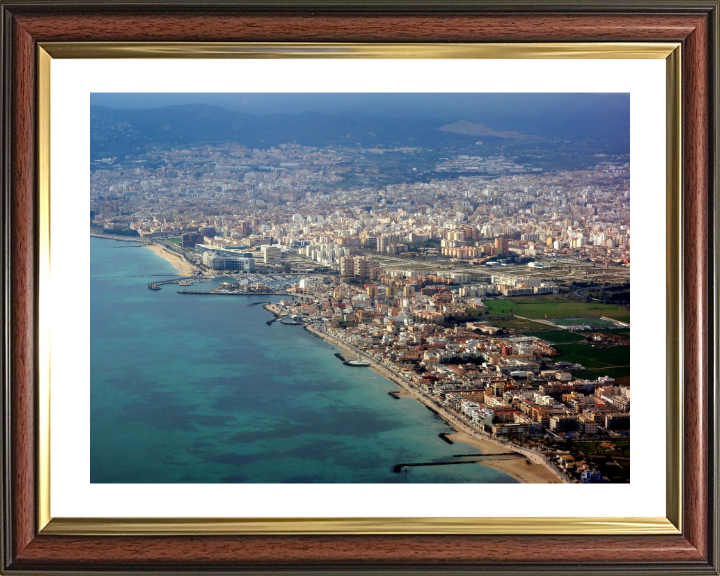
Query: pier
pixel 478 460
pixel 156 285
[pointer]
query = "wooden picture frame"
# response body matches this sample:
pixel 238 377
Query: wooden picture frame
pixel 31 545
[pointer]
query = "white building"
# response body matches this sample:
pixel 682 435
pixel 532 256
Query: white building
pixel 271 254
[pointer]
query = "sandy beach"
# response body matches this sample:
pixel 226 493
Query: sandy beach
pixel 484 446
pixel 525 471
pixel 522 469
pixel 183 267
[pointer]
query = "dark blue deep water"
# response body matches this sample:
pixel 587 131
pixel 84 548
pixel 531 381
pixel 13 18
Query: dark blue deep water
pixel 200 389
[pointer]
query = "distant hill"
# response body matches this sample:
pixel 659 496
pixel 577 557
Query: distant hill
pixel 118 132
pixel 473 129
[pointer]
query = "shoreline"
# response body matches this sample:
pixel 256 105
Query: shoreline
pixel 183 267
pixel 137 239
pixel 528 470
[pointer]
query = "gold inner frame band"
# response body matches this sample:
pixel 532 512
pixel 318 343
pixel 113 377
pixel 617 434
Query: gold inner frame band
pixel 550 50
pixel 44 323
pixel 139 526
pixel 406 526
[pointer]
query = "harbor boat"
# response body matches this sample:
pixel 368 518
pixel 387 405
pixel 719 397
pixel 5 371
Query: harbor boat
pixel 359 363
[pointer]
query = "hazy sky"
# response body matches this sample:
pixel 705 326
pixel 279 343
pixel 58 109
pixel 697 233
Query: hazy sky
pixel 474 107
pixel 576 117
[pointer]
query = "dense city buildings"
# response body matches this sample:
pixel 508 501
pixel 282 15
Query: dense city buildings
pixel 497 291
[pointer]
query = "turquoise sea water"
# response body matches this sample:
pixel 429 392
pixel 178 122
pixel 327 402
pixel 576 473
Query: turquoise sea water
pixel 200 389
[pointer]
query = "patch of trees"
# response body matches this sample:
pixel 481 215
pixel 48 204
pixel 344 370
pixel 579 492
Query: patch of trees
pixel 125 232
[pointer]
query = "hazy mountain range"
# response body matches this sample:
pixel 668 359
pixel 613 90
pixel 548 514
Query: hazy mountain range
pixel 120 132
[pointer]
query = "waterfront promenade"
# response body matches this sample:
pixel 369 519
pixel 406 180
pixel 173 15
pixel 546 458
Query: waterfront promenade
pixel 534 468
pixel 135 239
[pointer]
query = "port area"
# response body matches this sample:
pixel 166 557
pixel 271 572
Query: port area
pixel 221 291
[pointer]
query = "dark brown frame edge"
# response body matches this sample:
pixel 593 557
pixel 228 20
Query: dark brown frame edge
pixel 24 24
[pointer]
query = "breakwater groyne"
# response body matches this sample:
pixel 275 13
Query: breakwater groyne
pixel 444 436
pixel 477 460
pixel 156 285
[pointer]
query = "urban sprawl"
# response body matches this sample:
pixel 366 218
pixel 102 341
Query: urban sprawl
pixel 493 292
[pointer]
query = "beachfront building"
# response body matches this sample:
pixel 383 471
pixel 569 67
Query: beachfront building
pixel 216 262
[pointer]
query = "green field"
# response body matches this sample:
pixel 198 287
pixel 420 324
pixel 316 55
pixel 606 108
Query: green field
pixel 542 299
pixel 555 306
pixel 500 306
pixel 557 336
pixel 615 448
pixel 619 372
pixel 519 324
pixel 571 310
pixel 593 323
pixel 596 360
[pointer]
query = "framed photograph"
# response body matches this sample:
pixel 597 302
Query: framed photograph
pixel 356 291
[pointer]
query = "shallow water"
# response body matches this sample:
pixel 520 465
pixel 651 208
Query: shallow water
pixel 200 389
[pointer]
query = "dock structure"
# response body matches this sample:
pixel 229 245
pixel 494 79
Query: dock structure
pixel 156 285
pixel 477 460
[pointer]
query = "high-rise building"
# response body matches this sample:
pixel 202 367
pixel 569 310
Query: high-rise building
pixel 347 267
pixel 354 266
pixel 244 228
pixel 382 243
pixel 189 239
pixel 271 254
pixel 361 267
pixel 502 246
